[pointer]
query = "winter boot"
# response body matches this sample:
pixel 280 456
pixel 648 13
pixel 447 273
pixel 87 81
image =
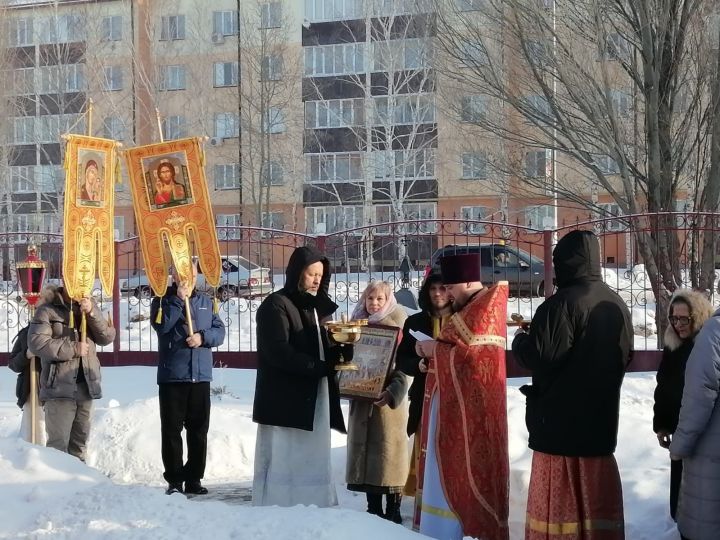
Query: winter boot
pixel 392 509
pixel 374 501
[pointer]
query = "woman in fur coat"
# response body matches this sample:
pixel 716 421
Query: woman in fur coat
pixel 377 460
pixel 687 313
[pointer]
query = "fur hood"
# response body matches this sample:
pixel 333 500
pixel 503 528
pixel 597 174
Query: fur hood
pixel 51 294
pixel 701 310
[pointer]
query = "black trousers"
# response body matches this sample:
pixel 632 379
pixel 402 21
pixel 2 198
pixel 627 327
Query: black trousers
pixel 676 468
pixel 184 405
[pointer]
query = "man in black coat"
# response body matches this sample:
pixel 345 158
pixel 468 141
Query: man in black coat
pixel 577 348
pixel 436 306
pixel 296 393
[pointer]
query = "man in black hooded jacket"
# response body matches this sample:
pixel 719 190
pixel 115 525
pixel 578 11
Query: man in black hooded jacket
pixel 577 348
pixel 296 394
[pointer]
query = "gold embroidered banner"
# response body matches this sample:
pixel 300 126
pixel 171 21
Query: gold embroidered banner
pixel 172 206
pixel 90 170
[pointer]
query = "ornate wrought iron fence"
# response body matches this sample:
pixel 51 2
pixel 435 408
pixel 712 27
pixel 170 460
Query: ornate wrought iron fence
pixel 402 253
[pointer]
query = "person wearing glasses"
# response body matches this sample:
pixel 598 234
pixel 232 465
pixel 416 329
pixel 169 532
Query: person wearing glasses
pixel 687 313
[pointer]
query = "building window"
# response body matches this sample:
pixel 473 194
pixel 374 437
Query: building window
pixel 621 102
pixel 174 127
pixel 24 130
pixel 330 219
pixel 271 15
pixel 225 23
pixel 49 79
pixel 74 77
pixel 540 217
pixel 413 163
pixel 341 59
pixel 272 174
pixel 612 210
pixel 473 54
pixel 423 214
pixel 474 166
pixel 614 47
pixel 340 167
pixel 48 128
pixel 274 120
pixel 333 10
pixel 113 128
pixel 538 53
pixel 22 179
pixel 473 213
pixel 226 74
pixel 469 5
pixel 172 77
pixel 49 178
pixel 272 220
pixel 334 113
pixel 537 163
pixel 112 28
pixel 472 109
pixel 228 220
pixel 606 164
pixel 119 228
pixel 23 81
pixel 113 78
pixel 538 108
pixel 64 29
pixel 404 109
pixel 21 32
pixel 272 68
pixel 401 54
pixel 227 176
pixel 227 125
pixel 172 27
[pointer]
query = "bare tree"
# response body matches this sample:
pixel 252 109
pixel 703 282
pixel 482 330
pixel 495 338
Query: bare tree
pixel 385 116
pixel 271 68
pixel 615 94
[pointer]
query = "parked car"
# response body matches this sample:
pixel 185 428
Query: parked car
pixel 239 277
pixel 524 272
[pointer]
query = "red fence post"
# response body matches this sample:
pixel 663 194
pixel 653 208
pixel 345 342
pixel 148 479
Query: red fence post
pixel 320 243
pixel 548 248
pixel 116 308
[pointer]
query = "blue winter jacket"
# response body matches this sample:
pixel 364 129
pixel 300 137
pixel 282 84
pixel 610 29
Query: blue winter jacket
pixel 177 361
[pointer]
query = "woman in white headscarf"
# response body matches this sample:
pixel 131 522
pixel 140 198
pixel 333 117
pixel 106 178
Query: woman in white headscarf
pixel 377 460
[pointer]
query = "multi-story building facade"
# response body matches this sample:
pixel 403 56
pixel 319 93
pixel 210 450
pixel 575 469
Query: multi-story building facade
pixel 321 115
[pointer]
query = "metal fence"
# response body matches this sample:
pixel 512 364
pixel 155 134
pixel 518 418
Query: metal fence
pixel 254 261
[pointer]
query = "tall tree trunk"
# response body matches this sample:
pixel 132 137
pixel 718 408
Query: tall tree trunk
pixel 711 193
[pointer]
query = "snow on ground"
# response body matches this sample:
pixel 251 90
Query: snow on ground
pixel 119 494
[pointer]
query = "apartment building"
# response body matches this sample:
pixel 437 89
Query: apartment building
pixel 321 115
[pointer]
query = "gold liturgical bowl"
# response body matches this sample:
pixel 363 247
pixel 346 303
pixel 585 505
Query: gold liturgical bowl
pixel 345 332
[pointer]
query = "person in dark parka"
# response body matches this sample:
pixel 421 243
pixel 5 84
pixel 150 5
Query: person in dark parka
pixel 687 313
pixel 577 348
pixel 296 393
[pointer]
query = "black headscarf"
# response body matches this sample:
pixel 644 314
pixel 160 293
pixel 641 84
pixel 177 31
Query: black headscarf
pixel 424 302
pixel 300 259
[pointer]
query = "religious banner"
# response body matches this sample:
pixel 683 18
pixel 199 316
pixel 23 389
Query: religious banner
pixel 374 354
pixel 91 167
pixel 173 209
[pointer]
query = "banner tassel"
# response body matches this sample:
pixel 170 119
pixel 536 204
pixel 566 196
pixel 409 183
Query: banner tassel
pixel 216 305
pixel 72 316
pixel 158 317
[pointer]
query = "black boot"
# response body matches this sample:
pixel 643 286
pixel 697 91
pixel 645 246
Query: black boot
pixel 374 501
pixel 392 510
